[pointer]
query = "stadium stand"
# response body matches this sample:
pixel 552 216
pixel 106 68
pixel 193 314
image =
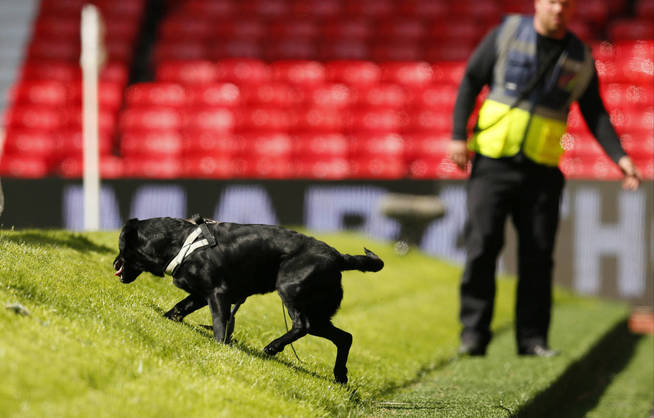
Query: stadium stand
pixel 326 89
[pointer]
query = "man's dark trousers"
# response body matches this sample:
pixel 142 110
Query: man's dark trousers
pixel 530 193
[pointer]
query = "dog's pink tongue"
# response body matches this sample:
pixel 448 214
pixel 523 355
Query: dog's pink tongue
pixel 119 272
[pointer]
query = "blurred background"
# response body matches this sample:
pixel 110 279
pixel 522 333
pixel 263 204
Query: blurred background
pixel 306 112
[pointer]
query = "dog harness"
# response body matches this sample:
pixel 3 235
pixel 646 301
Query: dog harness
pixel 191 244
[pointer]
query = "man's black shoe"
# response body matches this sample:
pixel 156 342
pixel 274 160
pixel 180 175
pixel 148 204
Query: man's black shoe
pixel 470 349
pixel 538 350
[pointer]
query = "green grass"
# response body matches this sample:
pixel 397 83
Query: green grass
pixel 95 347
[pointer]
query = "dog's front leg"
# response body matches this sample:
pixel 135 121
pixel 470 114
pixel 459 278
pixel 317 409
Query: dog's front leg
pixel 219 306
pixel 186 306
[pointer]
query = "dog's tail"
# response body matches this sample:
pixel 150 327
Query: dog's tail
pixel 368 262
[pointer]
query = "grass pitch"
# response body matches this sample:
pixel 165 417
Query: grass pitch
pixel 92 346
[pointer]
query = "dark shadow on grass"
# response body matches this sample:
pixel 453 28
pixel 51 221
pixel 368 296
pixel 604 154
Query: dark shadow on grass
pixel 582 385
pixel 74 241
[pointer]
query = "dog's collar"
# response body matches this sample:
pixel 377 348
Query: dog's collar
pixel 188 247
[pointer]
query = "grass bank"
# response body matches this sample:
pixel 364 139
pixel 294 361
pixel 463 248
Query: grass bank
pixel 92 346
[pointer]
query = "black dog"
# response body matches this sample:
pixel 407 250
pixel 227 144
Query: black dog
pixel 221 264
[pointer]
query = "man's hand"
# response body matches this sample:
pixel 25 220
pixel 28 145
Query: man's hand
pixel 632 177
pixel 458 153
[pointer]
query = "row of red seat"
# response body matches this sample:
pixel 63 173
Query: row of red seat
pixel 595 11
pixel 56 30
pixel 600 168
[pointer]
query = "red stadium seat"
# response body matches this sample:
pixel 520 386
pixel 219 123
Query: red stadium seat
pixel 243 27
pixel 24 166
pixel 480 10
pixel 40 92
pixel 300 72
pixel 607 71
pixel 380 95
pixel 402 28
pixel 429 120
pixel 216 94
pixel 37 143
pixel 631 29
pixel 209 166
pixel 242 71
pixel 603 50
pixel 353 73
pixel 439 97
pixel 291 48
pixel 265 167
pixel 106 119
pixel 402 50
pixel 70 143
pixel 378 167
pixel 637 69
pixel 344 49
pixel 155 94
pixel 187 28
pixel 619 95
pixel 632 121
pixel 374 120
pixel 179 50
pixel 424 9
pixel 449 72
pixel 639 145
pixel 320 145
pixel 213 144
pixel 111 167
pixel 426 145
pixel 645 9
pixel 328 168
pixel 371 8
pixel 630 49
pixel 34 117
pixel 317 8
pixel 53 49
pixel 265 8
pixel 348 29
pixel 162 144
pixel 595 12
pixel 214 119
pixel 332 95
pixel 409 74
pixel 268 144
pixel 270 119
pixel 294 29
pixel 213 8
pixel 110 94
pixel 319 120
pixel 435 168
pixel 150 118
pixel 187 72
pixel 376 145
pixel 467 29
pixel 236 48
pixel 452 50
pixel 276 94
pixel 152 167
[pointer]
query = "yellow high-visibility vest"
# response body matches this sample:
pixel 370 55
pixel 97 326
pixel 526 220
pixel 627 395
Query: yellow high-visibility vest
pixel 537 123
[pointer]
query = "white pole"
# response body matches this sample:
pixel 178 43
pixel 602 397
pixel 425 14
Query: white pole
pixel 90 61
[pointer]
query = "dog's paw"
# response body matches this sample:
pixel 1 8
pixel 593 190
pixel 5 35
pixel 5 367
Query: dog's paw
pixel 271 350
pixel 173 316
pixel 340 376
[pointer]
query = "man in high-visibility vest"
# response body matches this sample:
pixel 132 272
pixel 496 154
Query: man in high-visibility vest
pixel 536 69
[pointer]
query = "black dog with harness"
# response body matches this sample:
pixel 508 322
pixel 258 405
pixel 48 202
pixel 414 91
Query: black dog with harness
pixel 221 264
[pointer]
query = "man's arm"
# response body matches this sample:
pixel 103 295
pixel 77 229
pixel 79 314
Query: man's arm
pixel 598 121
pixel 479 72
